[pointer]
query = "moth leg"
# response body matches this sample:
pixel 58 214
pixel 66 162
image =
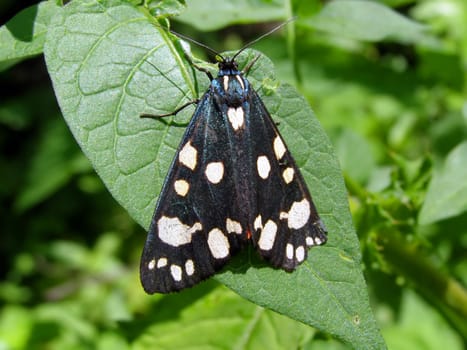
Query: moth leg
pixel 201 69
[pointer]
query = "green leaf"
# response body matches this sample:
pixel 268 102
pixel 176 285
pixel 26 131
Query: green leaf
pixel 23 36
pixel 421 327
pixel 167 7
pixel 55 160
pixel 112 341
pixel 368 21
pixel 101 63
pixel 447 192
pixel 238 324
pixel 98 56
pixel 16 327
pixel 212 15
pixel 355 155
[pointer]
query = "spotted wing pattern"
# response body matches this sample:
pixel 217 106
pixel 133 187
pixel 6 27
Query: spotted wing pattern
pixel 232 181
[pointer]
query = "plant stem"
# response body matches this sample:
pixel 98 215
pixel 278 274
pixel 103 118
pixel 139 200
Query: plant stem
pixel 441 290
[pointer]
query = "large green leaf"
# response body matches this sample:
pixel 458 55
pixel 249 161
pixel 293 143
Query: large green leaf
pixel 109 64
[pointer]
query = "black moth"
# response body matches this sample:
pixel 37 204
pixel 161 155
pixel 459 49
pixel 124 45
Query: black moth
pixel 232 181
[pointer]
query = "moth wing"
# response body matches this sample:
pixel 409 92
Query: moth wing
pixel 191 236
pixel 287 223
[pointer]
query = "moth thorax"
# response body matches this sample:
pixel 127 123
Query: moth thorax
pixel 234 88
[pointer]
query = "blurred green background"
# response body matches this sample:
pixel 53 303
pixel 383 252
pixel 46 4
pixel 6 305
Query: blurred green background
pixel 390 92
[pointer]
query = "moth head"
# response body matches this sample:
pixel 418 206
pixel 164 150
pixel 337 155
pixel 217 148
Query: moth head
pixel 227 64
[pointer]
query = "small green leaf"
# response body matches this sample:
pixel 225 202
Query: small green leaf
pixel 447 192
pixel 23 36
pixel 167 7
pixel 55 160
pixel 16 327
pixel 212 15
pixel 109 64
pixel 368 21
pixel 355 154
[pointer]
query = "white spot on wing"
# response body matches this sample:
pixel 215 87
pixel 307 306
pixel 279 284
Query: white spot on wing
pixel 279 147
pixel 288 174
pixel 240 81
pixel 215 172
pixel 258 223
pixel 181 187
pixel 161 262
pixel 268 235
pixel 318 241
pixel 218 244
pixel 176 272
pixel 188 156
pixel 309 241
pixel 299 214
pixel 189 267
pixel 236 117
pixel 262 163
pixel 226 82
pixel 233 226
pixel 300 253
pixel 152 264
pixel 289 251
pixel 173 232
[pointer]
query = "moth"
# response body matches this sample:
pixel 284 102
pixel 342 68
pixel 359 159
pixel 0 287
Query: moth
pixel 232 182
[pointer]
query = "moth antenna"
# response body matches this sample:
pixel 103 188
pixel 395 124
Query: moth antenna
pixel 263 36
pixel 181 36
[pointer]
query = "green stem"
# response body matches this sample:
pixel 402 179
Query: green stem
pixel 291 38
pixel 441 290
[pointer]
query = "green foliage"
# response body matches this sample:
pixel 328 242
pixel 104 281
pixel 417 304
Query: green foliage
pixel 447 194
pixel 359 19
pixel 24 35
pixel 212 15
pixel 117 51
pixel 237 324
pixel 387 84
